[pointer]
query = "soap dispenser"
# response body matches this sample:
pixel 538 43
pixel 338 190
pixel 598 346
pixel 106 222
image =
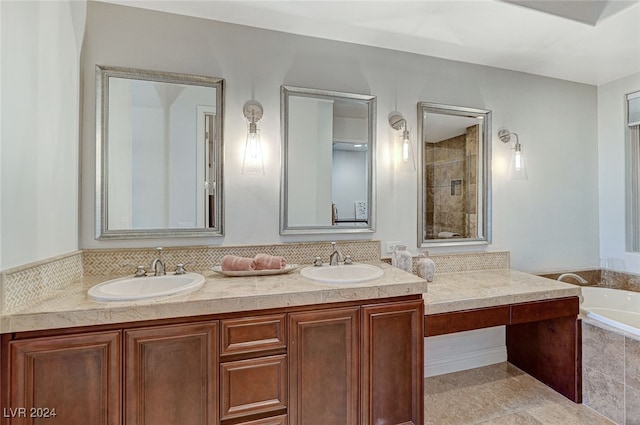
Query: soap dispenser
pixel 402 258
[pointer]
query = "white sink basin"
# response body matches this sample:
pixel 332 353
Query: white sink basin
pixel 352 273
pixel 139 288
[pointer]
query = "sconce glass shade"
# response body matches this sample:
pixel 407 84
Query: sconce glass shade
pixel 517 165
pixel 253 162
pixel 406 161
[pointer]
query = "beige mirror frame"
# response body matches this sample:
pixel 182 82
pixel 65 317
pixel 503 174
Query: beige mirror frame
pixel 322 132
pixel 159 154
pixel 454 175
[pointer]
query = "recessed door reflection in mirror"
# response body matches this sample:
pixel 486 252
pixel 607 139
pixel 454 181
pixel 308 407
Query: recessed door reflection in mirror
pixel 161 154
pixel 454 174
pixel 328 156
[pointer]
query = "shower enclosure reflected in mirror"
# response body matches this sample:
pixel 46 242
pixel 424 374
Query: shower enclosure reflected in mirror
pixel 454 197
pixel 328 156
pixel 158 154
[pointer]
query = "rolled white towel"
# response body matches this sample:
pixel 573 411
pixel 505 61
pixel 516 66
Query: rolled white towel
pixel 448 234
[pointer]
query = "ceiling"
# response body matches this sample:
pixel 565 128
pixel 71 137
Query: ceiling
pixel 587 41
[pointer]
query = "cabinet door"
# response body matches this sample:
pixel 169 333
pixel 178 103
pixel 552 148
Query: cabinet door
pixel 66 380
pixel 171 375
pixel 392 366
pixel 324 367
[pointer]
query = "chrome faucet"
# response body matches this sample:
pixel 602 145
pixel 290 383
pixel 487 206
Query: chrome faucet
pixel 157 265
pixel 335 256
pixel 580 279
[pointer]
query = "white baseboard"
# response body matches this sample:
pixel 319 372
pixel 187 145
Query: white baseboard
pixel 464 350
pixel 464 361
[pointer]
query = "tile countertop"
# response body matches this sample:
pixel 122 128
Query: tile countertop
pixel 71 307
pixel 487 288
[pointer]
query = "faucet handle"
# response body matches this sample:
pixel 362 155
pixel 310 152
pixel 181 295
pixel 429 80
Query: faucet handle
pixel 348 260
pixel 140 271
pixel 180 267
pixel 317 262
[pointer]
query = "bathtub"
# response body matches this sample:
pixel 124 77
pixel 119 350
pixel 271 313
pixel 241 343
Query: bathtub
pixel 613 307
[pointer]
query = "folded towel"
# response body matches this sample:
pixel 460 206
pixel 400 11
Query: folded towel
pixel 447 234
pixel 233 263
pixel 269 262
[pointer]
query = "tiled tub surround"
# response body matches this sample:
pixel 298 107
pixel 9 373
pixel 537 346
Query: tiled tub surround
pixel 610 356
pixel 611 372
pixel 603 277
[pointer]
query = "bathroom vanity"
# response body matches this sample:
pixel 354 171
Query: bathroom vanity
pixel 543 331
pixel 262 351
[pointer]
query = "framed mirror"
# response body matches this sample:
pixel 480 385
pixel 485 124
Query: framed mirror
pixel 454 188
pixel 158 154
pixel 328 161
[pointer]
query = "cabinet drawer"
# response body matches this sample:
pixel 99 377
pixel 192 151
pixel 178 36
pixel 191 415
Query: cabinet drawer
pixel 544 310
pixel 274 420
pixel 252 334
pixel 457 321
pixel 253 386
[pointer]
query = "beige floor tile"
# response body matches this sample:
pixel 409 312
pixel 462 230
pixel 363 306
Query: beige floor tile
pixel 500 394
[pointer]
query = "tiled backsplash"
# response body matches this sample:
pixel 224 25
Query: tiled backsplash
pixel 114 261
pixel 466 262
pixel 21 284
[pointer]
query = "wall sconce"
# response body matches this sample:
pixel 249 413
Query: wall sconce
pixel 517 165
pixel 253 162
pixel 406 162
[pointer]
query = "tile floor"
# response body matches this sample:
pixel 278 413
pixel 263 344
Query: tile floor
pixel 500 394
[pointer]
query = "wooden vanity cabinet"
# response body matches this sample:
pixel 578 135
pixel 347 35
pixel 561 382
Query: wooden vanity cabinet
pixel 345 363
pixel 357 365
pixel 64 380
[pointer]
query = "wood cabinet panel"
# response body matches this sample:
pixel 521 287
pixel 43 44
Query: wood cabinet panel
pixel 392 366
pixel 252 334
pixel 253 386
pixel 171 375
pixel 457 321
pixel 551 351
pixel 79 376
pixel 324 354
pixel 275 420
pixel 544 310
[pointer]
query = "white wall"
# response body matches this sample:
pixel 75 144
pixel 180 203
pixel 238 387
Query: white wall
pixel 548 223
pixel 612 134
pixel 40 83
